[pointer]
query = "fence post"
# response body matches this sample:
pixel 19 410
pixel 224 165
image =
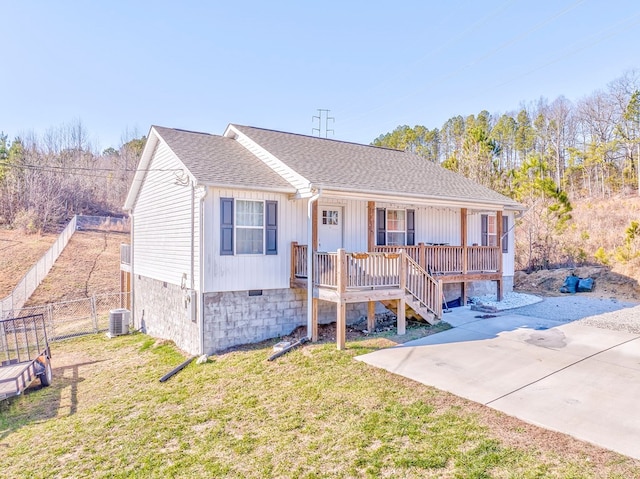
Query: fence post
pixel 94 315
pixel 52 331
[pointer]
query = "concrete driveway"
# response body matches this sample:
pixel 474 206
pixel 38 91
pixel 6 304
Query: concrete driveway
pixel 568 377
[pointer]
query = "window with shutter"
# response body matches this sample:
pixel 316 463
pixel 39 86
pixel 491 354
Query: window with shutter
pixel 488 230
pixel 395 227
pixel 248 227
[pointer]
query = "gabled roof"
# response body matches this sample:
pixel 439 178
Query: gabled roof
pixel 343 166
pixel 219 161
pixel 239 160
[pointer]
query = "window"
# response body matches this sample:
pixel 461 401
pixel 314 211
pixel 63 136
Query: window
pixel 330 217
pixel 490 231
pixel 395 227
pixel 248 227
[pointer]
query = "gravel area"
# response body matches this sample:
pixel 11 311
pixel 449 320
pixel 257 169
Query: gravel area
pixel 597 312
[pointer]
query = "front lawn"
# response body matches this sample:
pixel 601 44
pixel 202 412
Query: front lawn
pixel 312 413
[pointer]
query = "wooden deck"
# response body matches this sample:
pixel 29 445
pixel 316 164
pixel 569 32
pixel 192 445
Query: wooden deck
pixel 394 277
pixel 448 264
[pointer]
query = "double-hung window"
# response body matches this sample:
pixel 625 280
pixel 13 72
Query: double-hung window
pixel 248 227
pixel 489 227
pixel 395 227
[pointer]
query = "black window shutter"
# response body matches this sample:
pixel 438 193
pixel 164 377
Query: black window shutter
pixel 271 230
pixel 226 226
pixel 505 234
pixel 484 228
pixel 411 227
pixel 381 216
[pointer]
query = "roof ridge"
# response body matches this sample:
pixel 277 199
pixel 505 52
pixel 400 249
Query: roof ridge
pixel 182 130
pixel 320 138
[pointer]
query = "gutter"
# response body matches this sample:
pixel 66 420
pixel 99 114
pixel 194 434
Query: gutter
pixel 310 245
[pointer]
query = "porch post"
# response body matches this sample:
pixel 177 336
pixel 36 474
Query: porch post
pixel 371 243
pixel 371 226
pixel 464 242
pixel 341 306
pixel 499 244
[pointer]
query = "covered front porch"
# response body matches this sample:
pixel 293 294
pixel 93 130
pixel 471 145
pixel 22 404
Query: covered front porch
pixel 407 279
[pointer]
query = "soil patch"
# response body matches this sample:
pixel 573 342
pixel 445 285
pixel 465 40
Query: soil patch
pixel 607 283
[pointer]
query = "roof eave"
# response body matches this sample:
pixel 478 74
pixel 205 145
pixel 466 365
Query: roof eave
pixel 417 199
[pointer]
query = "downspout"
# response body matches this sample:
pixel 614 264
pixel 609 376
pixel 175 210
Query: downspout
pixel 193 232
pixel 201 270
pixel 132 273
pixel 310 246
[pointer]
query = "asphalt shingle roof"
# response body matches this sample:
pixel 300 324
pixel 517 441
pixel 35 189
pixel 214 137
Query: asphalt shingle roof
pixel 347 166
pixel 216 160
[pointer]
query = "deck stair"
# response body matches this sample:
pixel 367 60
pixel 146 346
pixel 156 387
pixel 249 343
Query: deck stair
pixel 413 309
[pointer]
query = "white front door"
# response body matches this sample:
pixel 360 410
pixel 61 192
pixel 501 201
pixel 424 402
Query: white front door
pixel 329 228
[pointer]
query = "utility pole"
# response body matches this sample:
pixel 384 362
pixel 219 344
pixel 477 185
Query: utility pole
pixel 322 115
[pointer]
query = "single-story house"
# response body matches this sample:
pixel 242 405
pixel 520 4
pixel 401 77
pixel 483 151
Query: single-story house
pixel 246 236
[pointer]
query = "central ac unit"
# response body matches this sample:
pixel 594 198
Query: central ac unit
pixel 119 321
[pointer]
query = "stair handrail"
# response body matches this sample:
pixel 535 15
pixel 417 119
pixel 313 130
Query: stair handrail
pixel 425 288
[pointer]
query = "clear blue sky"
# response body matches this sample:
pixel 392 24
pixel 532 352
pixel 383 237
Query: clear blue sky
pixel 200 65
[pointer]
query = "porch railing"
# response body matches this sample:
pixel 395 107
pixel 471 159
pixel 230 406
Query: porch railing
pixel 435 259
pixel 125 254
pixel 482 259
pixel 298 260
pixel 423 287
pixel 357 271
pixel 441 259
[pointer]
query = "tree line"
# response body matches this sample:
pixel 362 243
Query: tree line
pixel 45 180
pixel 546 155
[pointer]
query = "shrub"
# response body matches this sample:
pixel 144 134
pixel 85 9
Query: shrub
pixel 27 221
pixel 602 256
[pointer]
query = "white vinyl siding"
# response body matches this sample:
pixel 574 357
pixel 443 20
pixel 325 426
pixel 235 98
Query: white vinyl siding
pixel 242 272
pixel 163 222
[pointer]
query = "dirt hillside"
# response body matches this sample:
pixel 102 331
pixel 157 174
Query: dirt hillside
pixel 89 264
pixel 18 253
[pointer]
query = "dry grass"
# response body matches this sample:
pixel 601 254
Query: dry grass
pixel 18 253
pixel 312 413
pixel 90 264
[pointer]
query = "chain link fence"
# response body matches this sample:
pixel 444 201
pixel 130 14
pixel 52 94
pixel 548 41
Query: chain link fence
pixel 77 317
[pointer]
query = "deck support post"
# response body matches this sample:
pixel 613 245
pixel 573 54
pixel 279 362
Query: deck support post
pixel 341 325
pixel 314 320
pixel 402 271
pixel 371 316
